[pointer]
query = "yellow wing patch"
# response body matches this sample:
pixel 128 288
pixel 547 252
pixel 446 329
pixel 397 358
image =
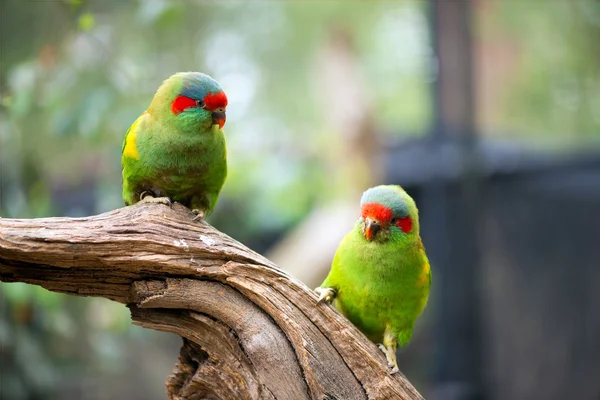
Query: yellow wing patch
pixel 425 276
pixel 130 147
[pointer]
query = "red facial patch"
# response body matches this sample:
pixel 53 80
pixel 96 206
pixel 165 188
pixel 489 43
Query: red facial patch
pixel 384 216
pixel 181 103
pixel 214 101
pixel 376 211
pixel 405 224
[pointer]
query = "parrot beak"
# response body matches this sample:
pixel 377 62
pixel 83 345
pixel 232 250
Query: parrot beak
pixel 372 226
pixel 218 117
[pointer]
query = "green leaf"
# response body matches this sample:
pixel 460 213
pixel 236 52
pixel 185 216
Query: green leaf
pixel 86 22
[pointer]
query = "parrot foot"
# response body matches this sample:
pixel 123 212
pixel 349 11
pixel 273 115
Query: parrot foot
pixel 390 355
pixel 199 214
pixel 146 197
pixel 325 295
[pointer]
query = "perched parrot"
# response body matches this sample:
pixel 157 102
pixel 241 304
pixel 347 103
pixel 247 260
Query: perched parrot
pixel 175 151
pixel 380 275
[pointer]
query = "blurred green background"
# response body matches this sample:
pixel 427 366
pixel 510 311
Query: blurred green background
pixel 320 93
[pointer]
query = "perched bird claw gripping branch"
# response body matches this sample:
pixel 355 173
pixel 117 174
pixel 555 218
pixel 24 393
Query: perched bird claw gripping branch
pixel 146 197
pixel 325 295
pixel 175 151
pixel 380 275
pixel 390 356
pixel 199 214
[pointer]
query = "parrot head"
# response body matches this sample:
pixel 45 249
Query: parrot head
pixel 387 211
pixel 191 100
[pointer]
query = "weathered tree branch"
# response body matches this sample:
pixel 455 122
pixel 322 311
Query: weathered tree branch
pixel 250 330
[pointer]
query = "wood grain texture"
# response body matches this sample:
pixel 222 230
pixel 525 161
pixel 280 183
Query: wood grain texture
pixel 250 330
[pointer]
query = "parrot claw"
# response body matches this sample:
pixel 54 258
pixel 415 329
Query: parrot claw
pixel 146 197
pixel 325 295
pixel 199 214
pixel 390 355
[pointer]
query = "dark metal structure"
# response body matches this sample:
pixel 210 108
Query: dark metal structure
pixel 513 237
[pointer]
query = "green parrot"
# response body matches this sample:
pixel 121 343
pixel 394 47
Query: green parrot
pixel 175 151
pixel 380 275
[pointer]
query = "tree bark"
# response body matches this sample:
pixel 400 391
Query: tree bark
pixel 250 331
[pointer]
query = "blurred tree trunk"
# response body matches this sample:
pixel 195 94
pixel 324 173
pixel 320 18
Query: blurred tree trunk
pixel 250 331
pixel 352 153
pixel 459 367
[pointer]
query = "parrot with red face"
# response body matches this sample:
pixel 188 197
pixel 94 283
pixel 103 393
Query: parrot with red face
pixel 175 151
pixel 380 275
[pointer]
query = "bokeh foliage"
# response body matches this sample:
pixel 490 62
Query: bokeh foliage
pixel 550 72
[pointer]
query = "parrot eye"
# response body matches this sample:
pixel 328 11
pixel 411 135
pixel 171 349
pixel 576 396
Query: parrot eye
pixel 200 103
pixel 393 221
